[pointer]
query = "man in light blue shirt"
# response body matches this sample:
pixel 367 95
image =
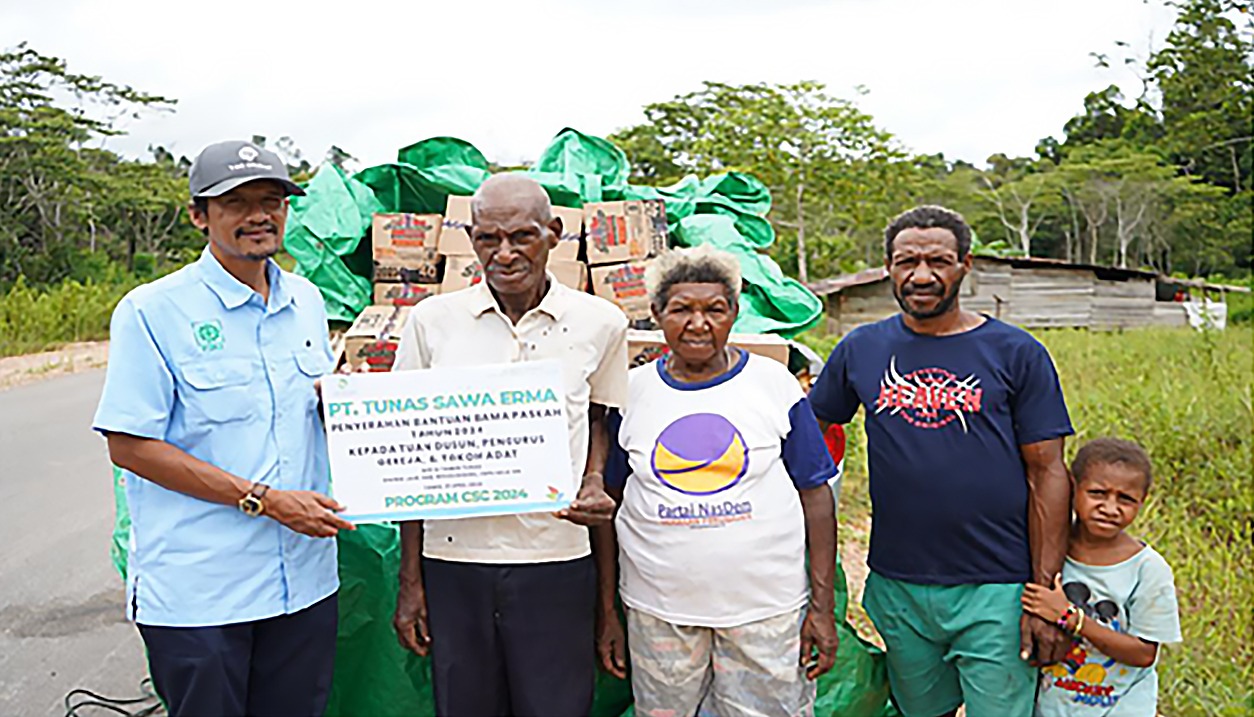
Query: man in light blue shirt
pixel 210 405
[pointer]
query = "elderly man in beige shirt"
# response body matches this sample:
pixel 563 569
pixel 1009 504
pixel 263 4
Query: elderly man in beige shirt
pixel 506 605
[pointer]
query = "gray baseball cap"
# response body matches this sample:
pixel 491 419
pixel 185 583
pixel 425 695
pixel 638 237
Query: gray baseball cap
pixel 224 166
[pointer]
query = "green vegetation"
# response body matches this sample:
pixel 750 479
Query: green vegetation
pixel 1185 396
pixel 33 320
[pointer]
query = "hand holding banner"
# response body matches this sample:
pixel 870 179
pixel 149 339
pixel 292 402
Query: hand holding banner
pixel 449 443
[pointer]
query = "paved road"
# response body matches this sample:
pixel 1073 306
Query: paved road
pixel 62 624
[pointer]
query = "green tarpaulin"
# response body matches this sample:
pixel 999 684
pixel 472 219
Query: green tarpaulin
pixel 728 210
pixel 324 232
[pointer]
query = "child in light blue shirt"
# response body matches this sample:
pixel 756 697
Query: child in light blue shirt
pixel 1115 596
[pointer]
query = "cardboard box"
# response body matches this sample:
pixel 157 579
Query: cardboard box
pixel 405 236
pixel 463 271
pixel 645 346
pixel 370 343
pixel 460 272
pixel 571 273
pixel 623 284
pixel 624 231
pixel 403 294
pixel 455 235
pixel 572 234
pixel 419 266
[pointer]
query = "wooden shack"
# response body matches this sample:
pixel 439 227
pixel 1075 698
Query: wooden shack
pixel 1032 292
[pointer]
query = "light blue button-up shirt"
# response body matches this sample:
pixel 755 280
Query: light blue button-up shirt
pixel 201 361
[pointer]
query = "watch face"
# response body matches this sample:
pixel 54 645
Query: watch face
pixel 250 505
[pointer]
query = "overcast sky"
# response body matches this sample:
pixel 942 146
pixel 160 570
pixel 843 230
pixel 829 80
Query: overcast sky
pixel 965 77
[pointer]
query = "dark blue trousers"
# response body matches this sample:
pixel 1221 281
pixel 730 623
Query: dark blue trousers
pixel 512 639
pixel 280 666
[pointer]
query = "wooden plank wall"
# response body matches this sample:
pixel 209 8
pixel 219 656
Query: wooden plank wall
pixel 1122 304
pixel 1051 297
pixel 1169 313
pixel 1030 297
pixel 987 289
pixel 859 305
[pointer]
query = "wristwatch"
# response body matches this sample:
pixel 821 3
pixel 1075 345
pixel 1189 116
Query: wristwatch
pixel 251 504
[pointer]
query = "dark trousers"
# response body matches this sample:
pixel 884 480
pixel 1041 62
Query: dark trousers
pixel 278 666
pixel 512 639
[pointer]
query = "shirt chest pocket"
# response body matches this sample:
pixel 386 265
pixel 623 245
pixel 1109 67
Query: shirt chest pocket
pixel 311 364
pixel 221 391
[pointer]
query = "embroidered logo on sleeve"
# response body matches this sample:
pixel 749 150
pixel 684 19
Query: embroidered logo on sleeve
pixel 208 335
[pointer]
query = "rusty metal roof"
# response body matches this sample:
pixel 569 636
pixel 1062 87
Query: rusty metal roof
pixel 823 287
pixel 836 284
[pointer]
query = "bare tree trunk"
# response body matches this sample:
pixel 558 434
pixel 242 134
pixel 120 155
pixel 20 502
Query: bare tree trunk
pixel 1025 235
pixel 803 270
pixel 1236 169
pixel 1126 226
pixel 1073 235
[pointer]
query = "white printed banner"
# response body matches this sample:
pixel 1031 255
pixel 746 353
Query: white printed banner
pixel 449 443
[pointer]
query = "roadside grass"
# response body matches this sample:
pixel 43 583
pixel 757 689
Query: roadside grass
pixel 34 320
pixel 1186 397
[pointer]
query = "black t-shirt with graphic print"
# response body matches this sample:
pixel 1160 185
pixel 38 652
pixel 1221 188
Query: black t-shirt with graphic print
pixel 945 416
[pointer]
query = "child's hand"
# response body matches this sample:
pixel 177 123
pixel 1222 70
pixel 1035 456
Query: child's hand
pixel 1046 603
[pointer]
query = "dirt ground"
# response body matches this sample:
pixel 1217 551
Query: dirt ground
pixel 19 370
pixel 854 536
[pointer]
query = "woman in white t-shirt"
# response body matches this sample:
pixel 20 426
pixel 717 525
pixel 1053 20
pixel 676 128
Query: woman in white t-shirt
pixel 720 471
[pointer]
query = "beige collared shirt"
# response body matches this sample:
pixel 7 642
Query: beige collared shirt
pixel 467 328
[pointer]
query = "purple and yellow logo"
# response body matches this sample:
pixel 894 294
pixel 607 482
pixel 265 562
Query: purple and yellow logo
pixel 700 454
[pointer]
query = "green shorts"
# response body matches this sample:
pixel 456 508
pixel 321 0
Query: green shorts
pixel 952 644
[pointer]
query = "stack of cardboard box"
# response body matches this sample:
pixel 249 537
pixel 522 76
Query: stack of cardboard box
pixel 420 255
pixel 407 268
pixel 621 238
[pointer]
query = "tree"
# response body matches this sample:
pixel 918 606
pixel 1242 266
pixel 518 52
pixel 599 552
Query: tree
pixel 1023 194
pixel 298 168
pixel 1204 76
pixel 51 180
pixel 143 202
pixel 341 159
pixel 825 161
pixel 1128 193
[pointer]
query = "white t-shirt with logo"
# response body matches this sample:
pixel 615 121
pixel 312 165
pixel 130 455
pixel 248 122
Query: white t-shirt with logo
pixel 1136 597
pixel 711 531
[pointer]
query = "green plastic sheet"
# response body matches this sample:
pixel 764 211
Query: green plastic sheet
pixel 770 301
pixel 324 230
pixel 121 539
pixel 728 210
pixel 442 151
pixel 857 685
pixel 402 187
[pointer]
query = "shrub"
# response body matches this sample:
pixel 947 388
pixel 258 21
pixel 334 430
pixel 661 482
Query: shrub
pixel 34 320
